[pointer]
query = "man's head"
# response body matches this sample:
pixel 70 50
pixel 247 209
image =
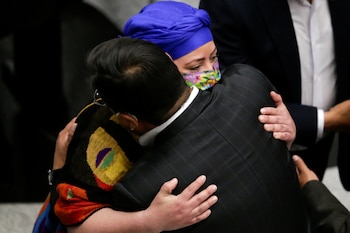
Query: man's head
pixel 136 77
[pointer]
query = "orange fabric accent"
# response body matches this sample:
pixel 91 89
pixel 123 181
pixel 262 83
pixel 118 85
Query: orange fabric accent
pixel 73 206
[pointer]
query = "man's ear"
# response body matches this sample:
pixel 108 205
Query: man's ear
pixel 128 121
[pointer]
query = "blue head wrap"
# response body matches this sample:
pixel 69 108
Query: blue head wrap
pixel 176 27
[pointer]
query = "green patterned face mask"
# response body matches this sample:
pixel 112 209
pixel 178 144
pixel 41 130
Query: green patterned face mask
pixel 205 79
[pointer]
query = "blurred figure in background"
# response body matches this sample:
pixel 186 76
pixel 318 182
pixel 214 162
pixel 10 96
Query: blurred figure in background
pixel 325 210
pixel 303 48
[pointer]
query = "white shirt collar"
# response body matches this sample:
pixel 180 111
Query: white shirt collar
pixel 147 139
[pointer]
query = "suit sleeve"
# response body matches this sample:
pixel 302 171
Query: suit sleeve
pixel 325 210
pixel 305 118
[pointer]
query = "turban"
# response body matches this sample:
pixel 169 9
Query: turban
pixel 176 27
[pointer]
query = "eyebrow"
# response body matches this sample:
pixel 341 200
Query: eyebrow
pixel 201 59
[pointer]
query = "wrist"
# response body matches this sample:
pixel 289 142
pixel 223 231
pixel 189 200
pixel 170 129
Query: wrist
pixel 149 224
pixel 329 121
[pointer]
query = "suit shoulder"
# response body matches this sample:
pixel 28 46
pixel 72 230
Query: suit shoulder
pixel 247 74
pixel 241 68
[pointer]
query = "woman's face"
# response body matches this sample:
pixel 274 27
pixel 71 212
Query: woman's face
pixel 199 60
pixel 200 67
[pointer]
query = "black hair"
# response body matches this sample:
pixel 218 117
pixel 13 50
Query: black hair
pixel 136 77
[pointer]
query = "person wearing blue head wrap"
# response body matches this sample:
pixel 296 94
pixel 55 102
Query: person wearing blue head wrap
pixel 184 33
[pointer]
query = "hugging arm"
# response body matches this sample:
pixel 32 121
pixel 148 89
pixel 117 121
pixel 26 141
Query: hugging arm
pixel 278 120
pixel 167 212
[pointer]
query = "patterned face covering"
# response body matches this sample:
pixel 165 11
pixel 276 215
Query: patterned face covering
pixel 205 79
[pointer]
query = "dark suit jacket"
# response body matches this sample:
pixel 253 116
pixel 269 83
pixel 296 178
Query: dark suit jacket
pixel 325 210
pixel 219 136
pixel 261 33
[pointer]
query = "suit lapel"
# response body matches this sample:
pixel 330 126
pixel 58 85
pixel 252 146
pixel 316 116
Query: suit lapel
pixel 280 26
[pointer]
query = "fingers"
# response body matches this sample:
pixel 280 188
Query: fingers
pixel 205 194
pixel 169 186
pixel 67 132
pixel 280 131
pixel 272 115
pixel 277 98
pixel 279 108
pixel 70 127
pixel 284 136
pixel 63 140
pixel 201 217
pixel 191 189
pixel 299 163
pixel 274 111
pixel 189 207
pixel 304 173
pixel 276 127
pixel 275 120
pixel 204 200
pixel 278 120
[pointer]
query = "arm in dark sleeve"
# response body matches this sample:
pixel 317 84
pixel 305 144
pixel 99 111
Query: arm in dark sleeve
pixel 325 210
pixel 305 118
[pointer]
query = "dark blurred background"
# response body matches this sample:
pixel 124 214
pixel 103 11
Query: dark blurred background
pixel 43 82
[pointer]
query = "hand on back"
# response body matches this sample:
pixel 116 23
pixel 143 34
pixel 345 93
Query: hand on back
pixel 62 142
pixel 278 120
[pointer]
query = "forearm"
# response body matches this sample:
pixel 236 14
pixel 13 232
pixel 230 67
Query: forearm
pixel 330 122
pixel 338 117
pixel 336 123
pixel 167 211
pixel 107 220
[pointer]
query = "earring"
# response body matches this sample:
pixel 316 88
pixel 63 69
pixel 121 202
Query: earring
pixel 132 129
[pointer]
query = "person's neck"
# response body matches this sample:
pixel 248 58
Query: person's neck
pixel 184 96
